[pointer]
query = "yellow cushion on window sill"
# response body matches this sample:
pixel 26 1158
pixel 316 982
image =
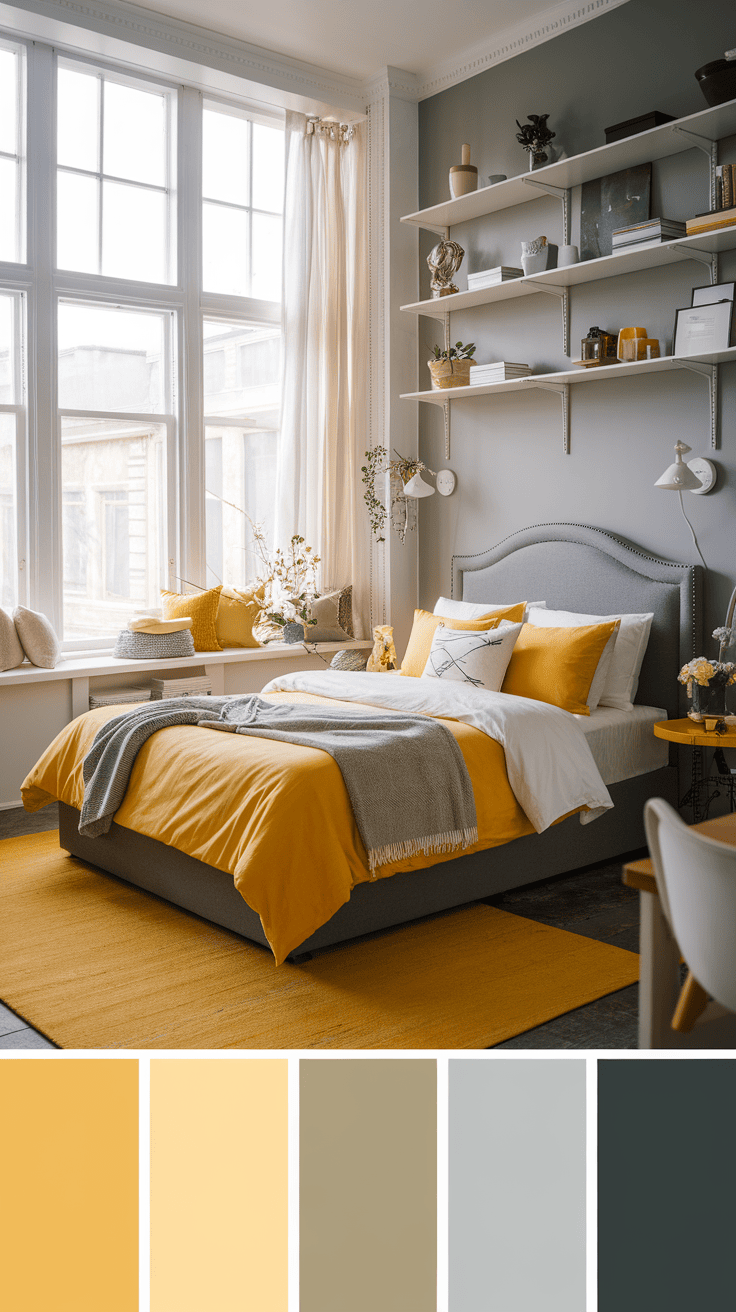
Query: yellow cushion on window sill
pixel 238 611
pixel 557 665
pixel 202 607
pixel 425 624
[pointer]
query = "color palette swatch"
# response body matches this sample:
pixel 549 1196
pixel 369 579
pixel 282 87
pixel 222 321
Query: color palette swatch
pixel 368 1186
pixel 69 1185
pixel 219 1185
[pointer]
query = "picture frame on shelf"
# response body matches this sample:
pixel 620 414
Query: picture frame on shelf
pixel 719 291
pixel 701 329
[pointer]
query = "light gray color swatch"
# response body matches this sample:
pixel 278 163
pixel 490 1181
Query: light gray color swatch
pixel 517 1186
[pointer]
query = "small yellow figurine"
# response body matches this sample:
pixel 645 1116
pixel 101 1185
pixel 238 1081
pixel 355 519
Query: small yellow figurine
pixel 383 657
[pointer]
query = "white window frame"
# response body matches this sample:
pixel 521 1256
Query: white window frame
pixel 20 154
pixel 40 581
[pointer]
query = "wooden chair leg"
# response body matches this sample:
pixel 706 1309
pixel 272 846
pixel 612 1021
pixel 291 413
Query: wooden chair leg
pixel 691 1004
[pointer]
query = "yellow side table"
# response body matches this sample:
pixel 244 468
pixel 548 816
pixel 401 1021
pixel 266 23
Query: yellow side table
pixel 705 786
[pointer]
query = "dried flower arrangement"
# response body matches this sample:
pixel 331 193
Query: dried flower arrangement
pixel 290 577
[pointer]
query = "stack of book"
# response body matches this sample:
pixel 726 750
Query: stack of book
pixel 725 186
pixel 118 696
pixel 492 277
pixel 711 222
pixel 194 685
pixel 652 232
pixel 501 371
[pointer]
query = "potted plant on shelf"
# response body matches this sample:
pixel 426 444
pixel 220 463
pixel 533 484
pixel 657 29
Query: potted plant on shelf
pixel 451 367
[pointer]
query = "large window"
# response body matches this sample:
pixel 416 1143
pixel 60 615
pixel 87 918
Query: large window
pixel 141 432
pixel 114 194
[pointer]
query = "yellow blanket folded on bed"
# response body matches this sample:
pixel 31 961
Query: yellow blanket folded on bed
pixel 274 815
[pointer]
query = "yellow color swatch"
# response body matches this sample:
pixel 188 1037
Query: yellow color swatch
pixel 219 1185
pixel 69 1185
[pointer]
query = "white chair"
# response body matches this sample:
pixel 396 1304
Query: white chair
pixel 696 884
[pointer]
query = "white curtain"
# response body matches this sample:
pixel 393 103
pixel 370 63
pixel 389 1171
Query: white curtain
pixel 324 407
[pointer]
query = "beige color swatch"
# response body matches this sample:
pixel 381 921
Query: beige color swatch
pixel 69 1185
pixel 368 1185
pixel 219 1140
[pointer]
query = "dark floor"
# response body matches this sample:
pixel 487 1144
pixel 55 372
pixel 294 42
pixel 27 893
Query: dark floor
pixel 591 902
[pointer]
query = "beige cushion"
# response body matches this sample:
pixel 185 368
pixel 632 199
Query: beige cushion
pixel 11 652
pixel 40 643
pixel 333 612
pixel 151 624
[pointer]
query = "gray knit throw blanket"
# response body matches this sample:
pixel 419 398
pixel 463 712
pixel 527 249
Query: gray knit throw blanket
pixel 405 774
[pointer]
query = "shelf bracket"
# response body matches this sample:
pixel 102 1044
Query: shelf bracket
pixel 563 295
pixel 563 194
pixel 710 373
pixel 446 406
pixel 703 257
pixel 709 148
pixel 563 391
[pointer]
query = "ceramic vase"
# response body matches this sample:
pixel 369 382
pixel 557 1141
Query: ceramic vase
pixel 534 256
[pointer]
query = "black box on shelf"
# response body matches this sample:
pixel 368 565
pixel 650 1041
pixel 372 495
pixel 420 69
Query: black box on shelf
pixel 643 123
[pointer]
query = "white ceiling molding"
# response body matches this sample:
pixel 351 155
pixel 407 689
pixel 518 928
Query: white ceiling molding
pixel 514 41
pixel 391 81
pixel 117 31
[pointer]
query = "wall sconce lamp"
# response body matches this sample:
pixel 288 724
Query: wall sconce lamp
pixel 698 476
pixel 416 487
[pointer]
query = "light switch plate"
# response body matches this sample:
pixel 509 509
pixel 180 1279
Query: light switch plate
pixel 446 481
pixel 705 470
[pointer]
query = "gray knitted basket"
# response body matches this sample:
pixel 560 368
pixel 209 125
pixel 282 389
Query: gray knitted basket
pixel 154 646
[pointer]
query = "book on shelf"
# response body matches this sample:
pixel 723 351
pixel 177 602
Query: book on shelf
pixel 711 221
pixel 118 696
pixel 499 371
pixel 651 233
pixel 491 277
pixel 195 685
pixel 725 186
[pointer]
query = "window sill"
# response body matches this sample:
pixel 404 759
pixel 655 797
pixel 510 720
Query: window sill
pixel 86 665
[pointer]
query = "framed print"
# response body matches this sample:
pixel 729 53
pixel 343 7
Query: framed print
pixel 720 291
pixel 703 328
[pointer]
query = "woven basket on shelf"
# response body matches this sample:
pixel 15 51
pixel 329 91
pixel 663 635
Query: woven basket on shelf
pixel 154 646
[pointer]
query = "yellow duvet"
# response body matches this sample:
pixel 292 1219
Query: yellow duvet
pixel 276 816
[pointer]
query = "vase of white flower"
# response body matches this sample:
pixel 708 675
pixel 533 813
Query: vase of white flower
pixel 706 682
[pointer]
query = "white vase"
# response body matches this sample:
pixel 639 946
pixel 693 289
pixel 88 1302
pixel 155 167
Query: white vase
pixel 534 255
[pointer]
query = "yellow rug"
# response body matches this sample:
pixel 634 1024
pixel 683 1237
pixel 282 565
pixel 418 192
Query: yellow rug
pixel 94 963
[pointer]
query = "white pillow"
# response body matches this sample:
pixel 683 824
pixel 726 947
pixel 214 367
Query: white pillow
pixel 477 659
pixel 11 652
pixel 622 679
pixel 40 643
pixel 475 610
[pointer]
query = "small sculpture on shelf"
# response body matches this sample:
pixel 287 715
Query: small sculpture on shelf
pixel 383 657
pixel 534 136
pixel 444 260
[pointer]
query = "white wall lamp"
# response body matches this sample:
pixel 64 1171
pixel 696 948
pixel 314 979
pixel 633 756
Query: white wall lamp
pixel 416 487
pixel 698 476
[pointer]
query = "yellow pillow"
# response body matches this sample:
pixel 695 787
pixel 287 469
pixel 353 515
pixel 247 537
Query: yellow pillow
pixel 202 606
pixel 423 630
pixel 237 613
pixel 557 665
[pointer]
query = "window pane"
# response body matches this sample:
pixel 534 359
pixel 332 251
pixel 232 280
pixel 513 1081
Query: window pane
pixel 77 233
pixel 8 539
pixel 113 517
pixel 8 101
pixel 244 463
pixel 133 233
pixel 9 349
pixel 225 157
pixel 225 253
pixel 266 280
pixel 242 372
pixel 78 97
pixel 268 168
pixel 8 210
pixel 111 359
pixel 134 142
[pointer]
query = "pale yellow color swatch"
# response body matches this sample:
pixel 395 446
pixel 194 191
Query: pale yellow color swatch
pixel 219 1185
pixel 69 1185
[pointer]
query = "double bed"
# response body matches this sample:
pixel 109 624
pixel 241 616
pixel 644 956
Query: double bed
pixel 574 568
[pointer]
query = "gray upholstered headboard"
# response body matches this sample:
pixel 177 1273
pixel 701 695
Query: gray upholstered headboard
pixel 574 567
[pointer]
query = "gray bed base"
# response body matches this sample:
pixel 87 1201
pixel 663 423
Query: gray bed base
pixel 211 893
pixel 573 567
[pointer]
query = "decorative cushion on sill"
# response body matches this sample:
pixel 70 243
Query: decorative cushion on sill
pixel 11 650
pixel 202 606
pixel 37 637
pixel 333 612
pixel 153 646
pixel 237 613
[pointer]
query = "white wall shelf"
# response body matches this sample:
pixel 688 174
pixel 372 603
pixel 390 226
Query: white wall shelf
pixel 708 245
pixel 708 125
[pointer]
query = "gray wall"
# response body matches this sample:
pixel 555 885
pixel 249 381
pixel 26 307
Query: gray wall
pixel 507 451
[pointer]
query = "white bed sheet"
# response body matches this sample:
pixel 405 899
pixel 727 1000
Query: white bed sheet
pixel 622 743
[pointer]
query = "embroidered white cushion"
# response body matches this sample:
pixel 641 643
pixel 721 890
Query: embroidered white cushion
pixel 477 659
pixel 11 652
pixel 40 643
pixel 622 676
pixel 474 610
